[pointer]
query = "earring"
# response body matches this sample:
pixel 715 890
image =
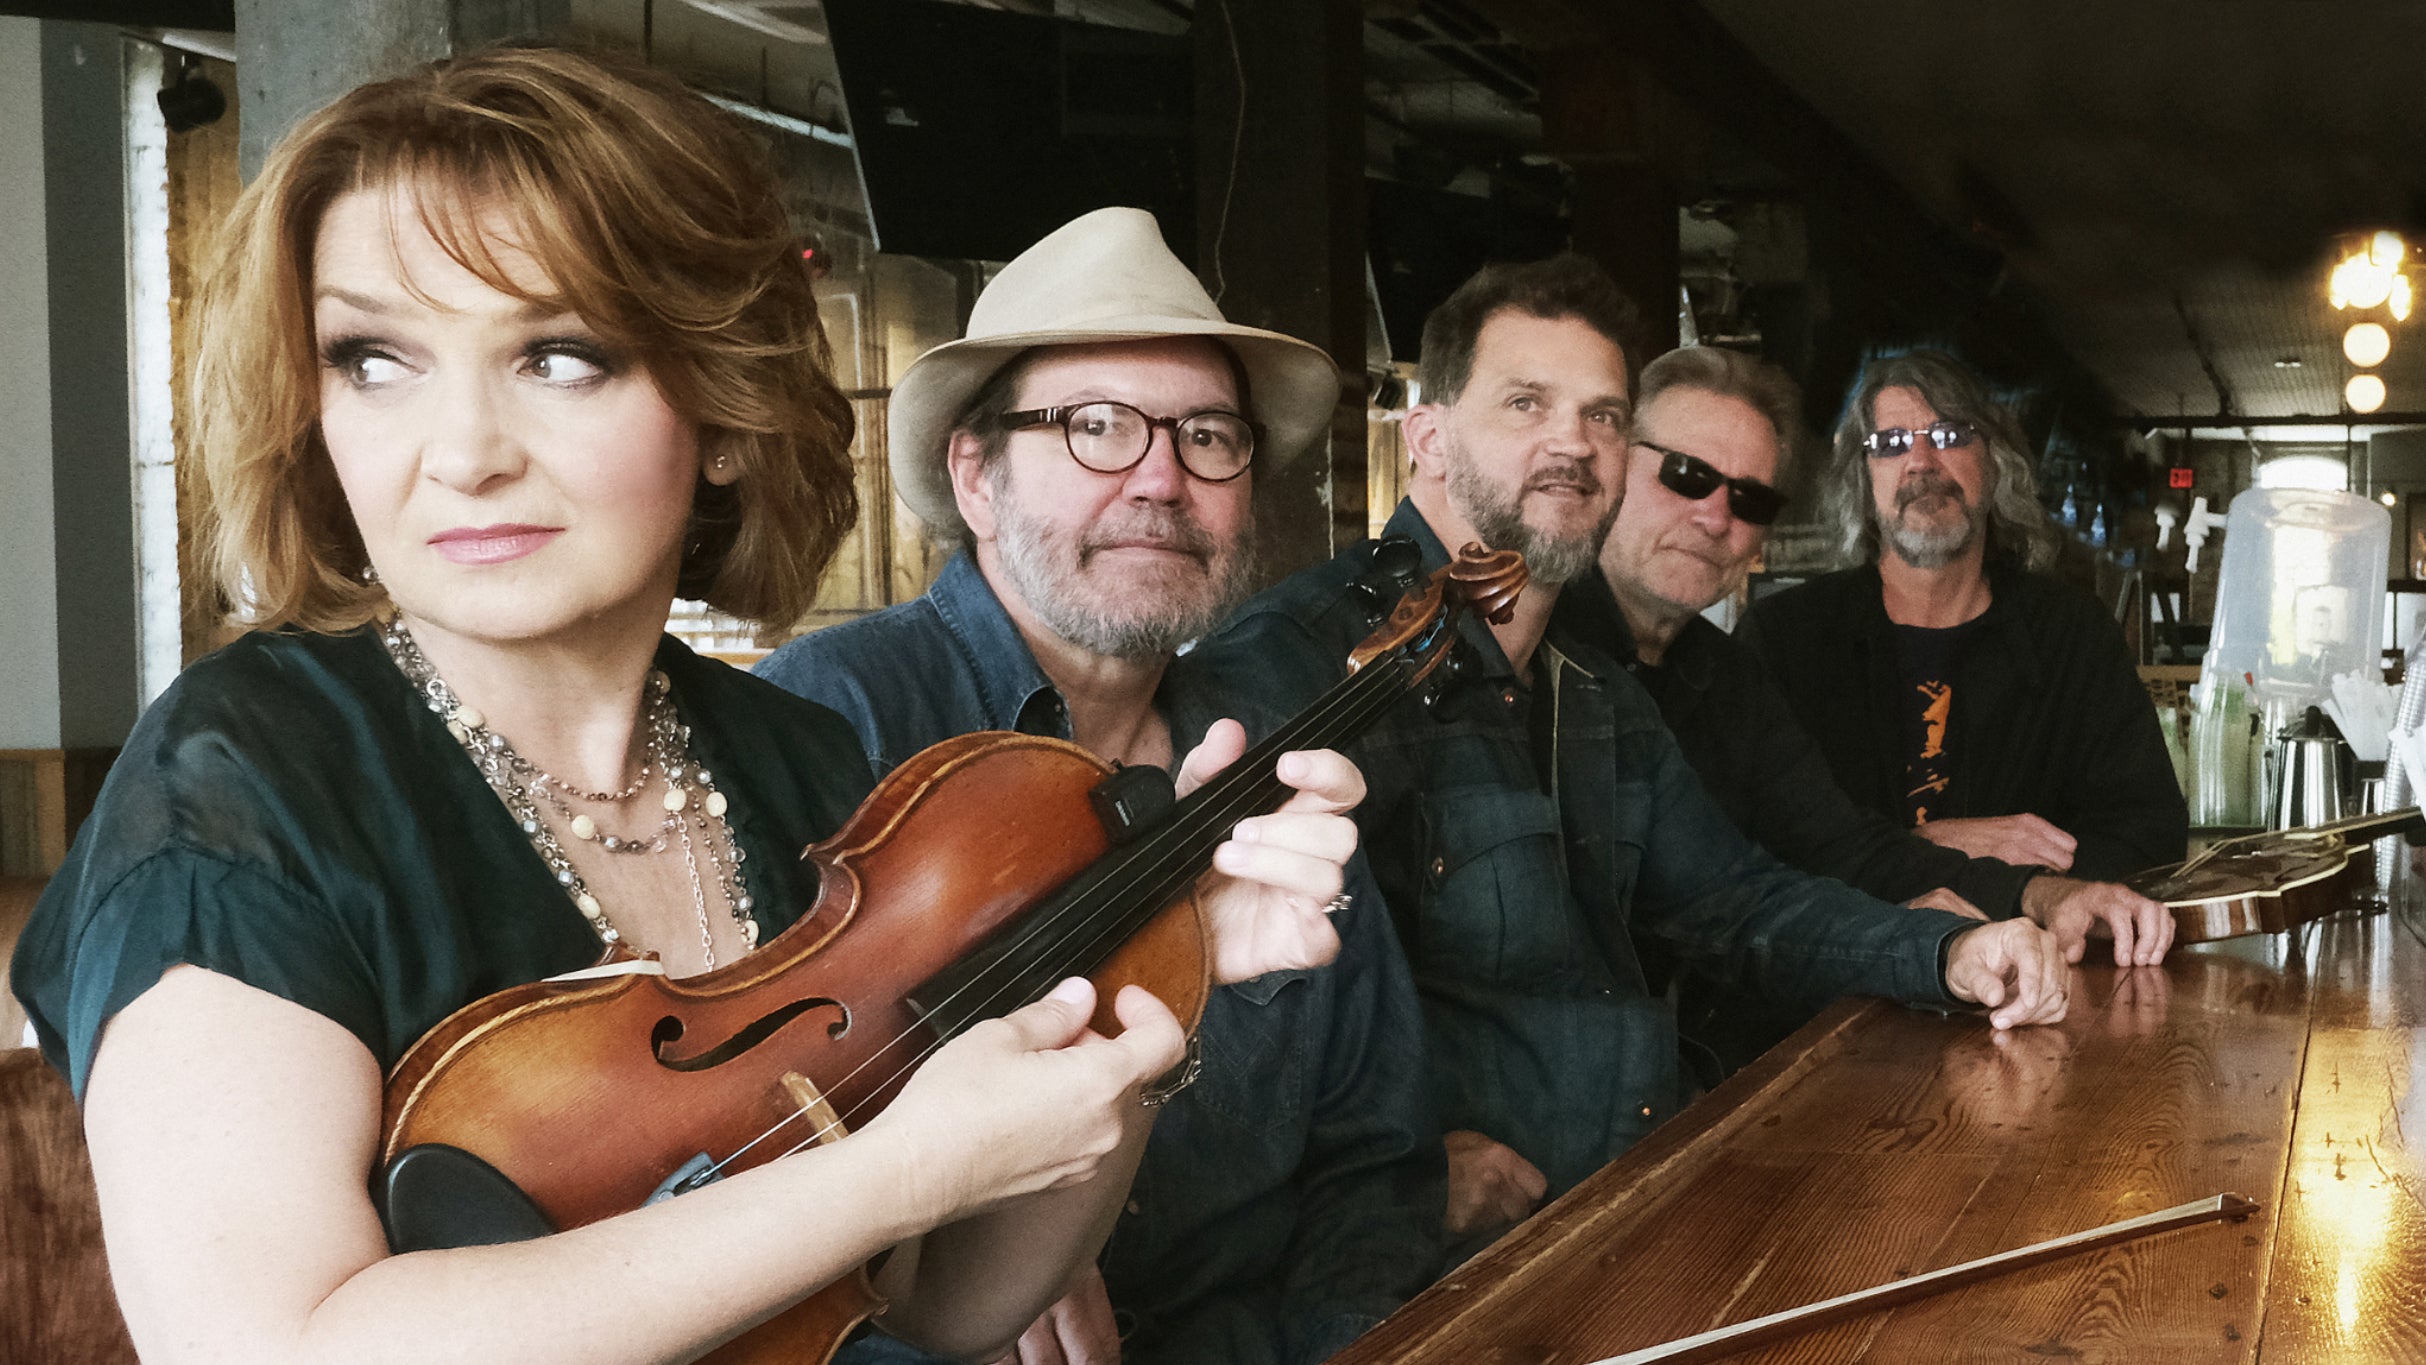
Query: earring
pixel 718 464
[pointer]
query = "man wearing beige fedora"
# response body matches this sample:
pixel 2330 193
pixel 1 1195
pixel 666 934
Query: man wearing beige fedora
pixel 1091 446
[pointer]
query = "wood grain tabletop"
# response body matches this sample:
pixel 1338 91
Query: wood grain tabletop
pixel 1883 1141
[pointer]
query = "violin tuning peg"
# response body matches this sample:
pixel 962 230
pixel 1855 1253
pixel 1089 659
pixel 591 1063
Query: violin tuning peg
pixel 1398 561
pixel 1444 695
pixel 1397 565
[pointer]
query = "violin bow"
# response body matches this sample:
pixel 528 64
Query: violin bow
pixel 1743 1336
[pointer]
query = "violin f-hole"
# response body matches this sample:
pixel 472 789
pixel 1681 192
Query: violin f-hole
pixel 669 1031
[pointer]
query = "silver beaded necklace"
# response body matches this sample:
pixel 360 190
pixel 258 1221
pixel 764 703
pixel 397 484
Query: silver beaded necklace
pixel 694 809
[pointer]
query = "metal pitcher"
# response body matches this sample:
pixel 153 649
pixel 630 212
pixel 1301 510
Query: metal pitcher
pixel 2310 778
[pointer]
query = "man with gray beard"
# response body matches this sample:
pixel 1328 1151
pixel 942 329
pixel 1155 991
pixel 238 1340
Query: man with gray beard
pixel 1951 686
pixel 1536 821
pixel 1092 444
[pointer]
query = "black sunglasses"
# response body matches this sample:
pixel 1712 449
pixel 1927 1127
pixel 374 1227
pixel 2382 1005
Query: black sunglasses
pixel 1753 502
pixel 1942 435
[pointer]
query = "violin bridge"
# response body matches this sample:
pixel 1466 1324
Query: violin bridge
pixel 812 1102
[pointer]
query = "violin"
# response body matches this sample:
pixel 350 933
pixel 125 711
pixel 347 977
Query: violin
pixel 974 877
pixel 2269 882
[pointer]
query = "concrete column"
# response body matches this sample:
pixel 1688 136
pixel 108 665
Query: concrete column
pixel 293 56
pixel 1281 227
pixel 83 205
pixel 1616 133
pixel 29 573
pixel 1625 218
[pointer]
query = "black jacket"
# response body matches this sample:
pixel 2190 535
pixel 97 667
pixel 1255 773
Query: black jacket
pixel 2049 719
pixel 1765 772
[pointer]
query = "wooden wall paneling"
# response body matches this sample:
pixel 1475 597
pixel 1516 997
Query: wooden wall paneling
pixel 44 796
pixel 17 897
pixel 54 1279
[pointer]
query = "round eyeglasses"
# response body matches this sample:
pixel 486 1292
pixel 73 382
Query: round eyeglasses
pixel 1893 441
pixel 1111 438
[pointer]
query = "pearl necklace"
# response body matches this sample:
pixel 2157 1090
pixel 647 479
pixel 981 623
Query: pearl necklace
pixel 694 809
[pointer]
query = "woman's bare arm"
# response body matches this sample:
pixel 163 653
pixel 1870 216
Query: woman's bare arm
pixel 232 1134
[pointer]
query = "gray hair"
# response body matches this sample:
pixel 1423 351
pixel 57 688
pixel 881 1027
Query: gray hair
pixel 1754 382
pixel 2019 530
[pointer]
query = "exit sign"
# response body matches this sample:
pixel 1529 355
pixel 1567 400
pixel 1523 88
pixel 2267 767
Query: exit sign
pixel 2180 476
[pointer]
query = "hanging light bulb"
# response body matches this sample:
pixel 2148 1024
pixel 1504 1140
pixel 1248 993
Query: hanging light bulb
pixel 2364 393
pixel 2365 283
pixel 2385 250
pixel 2388 499
pixel 2398 300
pixel 2367 343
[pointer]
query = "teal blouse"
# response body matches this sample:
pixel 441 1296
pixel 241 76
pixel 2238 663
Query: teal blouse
pixel 289 813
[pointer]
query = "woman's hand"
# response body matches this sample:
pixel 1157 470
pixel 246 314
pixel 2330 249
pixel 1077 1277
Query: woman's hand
pixel 1268 899
pixel 1032 1101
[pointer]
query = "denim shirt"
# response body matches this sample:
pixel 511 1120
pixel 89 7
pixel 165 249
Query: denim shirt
pixel 1519 894
pixel 1292 1197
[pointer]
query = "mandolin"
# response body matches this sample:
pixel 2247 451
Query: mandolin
pixel 2269 882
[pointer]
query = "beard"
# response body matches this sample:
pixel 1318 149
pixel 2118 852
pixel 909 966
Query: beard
pixel 1498 516
pixel 1144 616
pixel 1931 546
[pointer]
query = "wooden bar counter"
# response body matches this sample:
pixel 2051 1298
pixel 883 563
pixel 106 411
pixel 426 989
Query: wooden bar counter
pixel 1882 1141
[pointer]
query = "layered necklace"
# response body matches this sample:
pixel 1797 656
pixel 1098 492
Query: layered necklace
pixel 694 809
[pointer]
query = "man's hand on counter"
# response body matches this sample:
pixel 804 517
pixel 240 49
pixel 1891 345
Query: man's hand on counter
pixel 1940 898
pixel 2074 911
pixel 1489 1185
pixel 2022 840
pixel 2013 967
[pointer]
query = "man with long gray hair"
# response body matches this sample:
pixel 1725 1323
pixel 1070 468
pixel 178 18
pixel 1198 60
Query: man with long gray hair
pixel 1950 684
pixel 1712 446
pixel 1533 824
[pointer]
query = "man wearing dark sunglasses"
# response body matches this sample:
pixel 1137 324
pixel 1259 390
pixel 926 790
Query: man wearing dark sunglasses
pixel 1535 825
pixel 1952 687
pixel 1712 439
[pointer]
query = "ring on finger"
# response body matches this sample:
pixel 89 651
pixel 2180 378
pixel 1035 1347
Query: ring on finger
pixel 1338 904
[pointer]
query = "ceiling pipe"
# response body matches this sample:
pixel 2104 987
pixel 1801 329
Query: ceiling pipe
pixel 2228 419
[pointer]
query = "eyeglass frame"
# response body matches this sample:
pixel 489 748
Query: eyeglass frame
pixel 1059 416
pixel 1737 488
pixel 1878 442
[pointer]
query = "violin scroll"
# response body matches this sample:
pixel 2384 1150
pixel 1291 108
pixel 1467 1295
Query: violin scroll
pixel 1478 580
pixel 1489 581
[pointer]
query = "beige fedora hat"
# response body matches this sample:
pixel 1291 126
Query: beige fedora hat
pixel 1104 276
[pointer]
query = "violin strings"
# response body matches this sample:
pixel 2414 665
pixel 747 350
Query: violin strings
pixel 1225 799
pixel 1094 924
pixel 1347 708
pixel 1100 932
pixel 1097 916
pixel 1168 857
pixel 1220 804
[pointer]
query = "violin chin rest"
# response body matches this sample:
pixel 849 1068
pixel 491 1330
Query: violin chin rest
pixel 434 1196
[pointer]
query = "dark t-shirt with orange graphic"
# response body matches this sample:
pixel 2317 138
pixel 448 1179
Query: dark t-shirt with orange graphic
pixel 1929 657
